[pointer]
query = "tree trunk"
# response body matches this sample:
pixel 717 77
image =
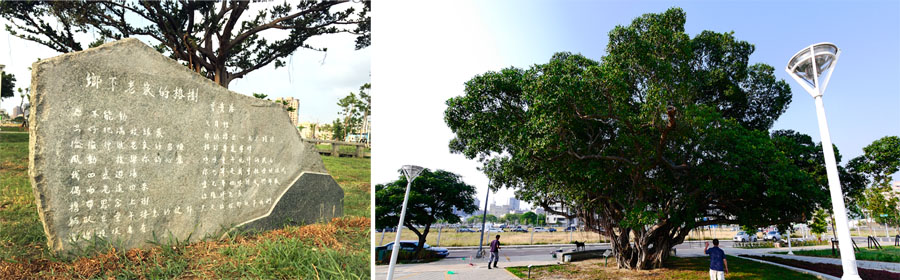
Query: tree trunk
pixel 650 248
pixel 421 235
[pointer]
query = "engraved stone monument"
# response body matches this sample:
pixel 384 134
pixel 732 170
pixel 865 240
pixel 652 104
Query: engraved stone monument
pixel 127 144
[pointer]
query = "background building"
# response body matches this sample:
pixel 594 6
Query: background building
pixel 498 210
pixel 16 112
pixel 560 219
pixel 513 204
pixel 291 103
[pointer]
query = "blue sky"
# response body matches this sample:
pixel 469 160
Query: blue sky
pixel 469 38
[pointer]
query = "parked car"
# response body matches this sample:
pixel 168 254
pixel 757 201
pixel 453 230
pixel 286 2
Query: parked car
pixel 387 229
pixel 495 230
pixel 571 228
pixel 772 235
pixel 742 236
pixel 540 229
pixel 410 246
pixel 551 229
pixel 465 229
pixel 519 229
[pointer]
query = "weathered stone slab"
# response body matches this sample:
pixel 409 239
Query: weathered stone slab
pixel 127 144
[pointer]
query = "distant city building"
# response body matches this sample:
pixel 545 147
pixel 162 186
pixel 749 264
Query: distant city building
pixel 478 204
pixel 498 210
pixel 538 210
pixel 291 103
pixel 16 112
pixel 513 204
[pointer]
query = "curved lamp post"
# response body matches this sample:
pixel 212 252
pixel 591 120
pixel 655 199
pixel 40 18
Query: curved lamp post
pixel 812 67
pixel 411 172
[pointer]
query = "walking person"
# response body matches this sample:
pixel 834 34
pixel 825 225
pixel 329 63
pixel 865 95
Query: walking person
pixel 495 252
pixel 718 266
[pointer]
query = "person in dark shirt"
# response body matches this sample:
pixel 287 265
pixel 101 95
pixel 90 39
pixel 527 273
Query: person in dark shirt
pixel 495 252
pixel 718 266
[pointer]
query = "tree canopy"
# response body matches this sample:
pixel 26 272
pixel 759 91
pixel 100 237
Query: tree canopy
pixel 355 110
pixel 214 38
pixel 7 85
pixel 432 197
pixel 879 161
pixel 662 132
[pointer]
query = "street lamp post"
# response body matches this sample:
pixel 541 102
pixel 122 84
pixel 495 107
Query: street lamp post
pixel 411 172
pixel 480 252
pixel 806 67
pixel 790 248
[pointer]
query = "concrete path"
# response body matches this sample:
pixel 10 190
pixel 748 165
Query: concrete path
pixel 888 266
pixel 463 268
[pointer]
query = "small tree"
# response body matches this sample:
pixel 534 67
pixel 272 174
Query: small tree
pixel 819 223
pixel 432 197
pixel 529 218
pixel 477 219
pixel 337 130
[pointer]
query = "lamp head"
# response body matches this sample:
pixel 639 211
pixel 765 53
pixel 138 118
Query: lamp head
pixel 812 66
pixel 411 171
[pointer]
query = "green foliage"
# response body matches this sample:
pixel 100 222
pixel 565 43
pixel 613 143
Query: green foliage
pixel 355 111
pixel 880 160
pixel 215 39
pixel 476 219
pixel 337 130
pixel 749 230
pixel 663 131
pixel 260 95
pixel 433 196
pixel 511 218
pixel 8 84
pixel 530 218
pixel 819 223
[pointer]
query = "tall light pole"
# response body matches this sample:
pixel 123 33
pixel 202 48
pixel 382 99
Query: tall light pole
pixel 480 252
pixel 411 172
pixel 806 67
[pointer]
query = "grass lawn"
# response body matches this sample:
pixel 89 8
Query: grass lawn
pixel 888 254
pixel 337 250
pixel 13 128
pixel 676 268
pixel 343 148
